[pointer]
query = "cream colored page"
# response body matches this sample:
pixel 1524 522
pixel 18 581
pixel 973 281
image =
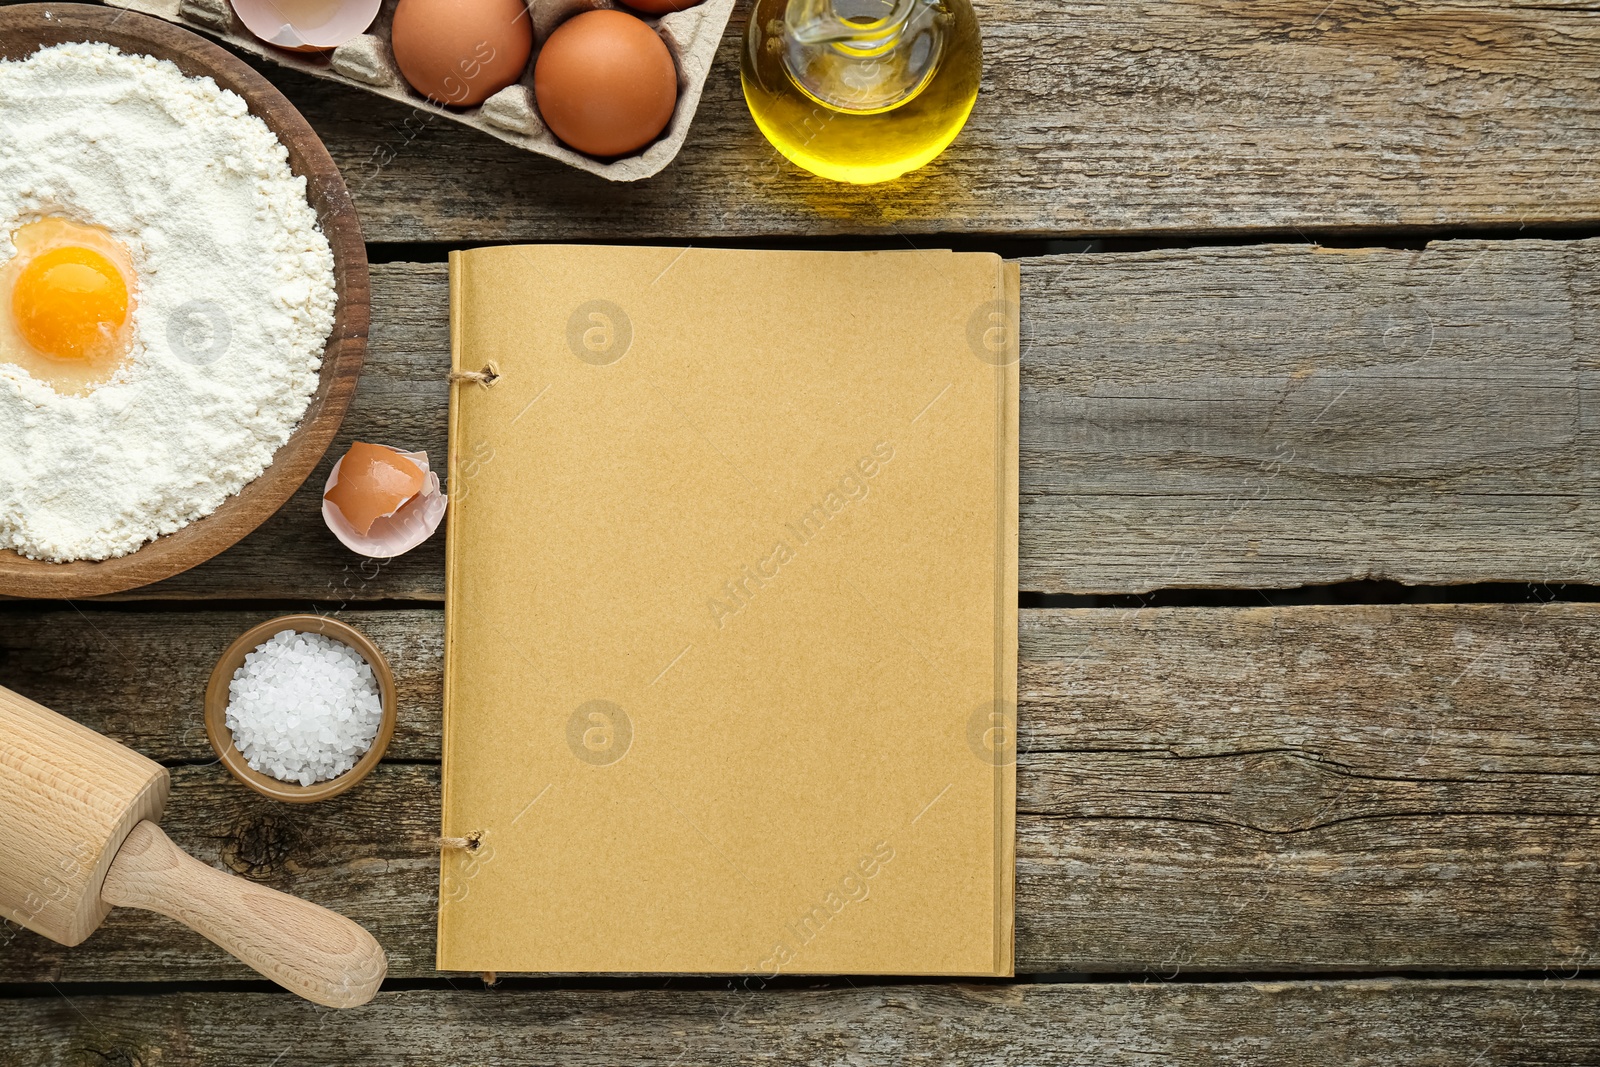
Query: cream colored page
pixel 722 614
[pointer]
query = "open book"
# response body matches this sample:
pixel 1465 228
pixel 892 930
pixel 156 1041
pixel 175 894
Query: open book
pixel 730 675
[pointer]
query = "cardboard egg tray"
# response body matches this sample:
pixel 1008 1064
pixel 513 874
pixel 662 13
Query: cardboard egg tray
pixel 367 62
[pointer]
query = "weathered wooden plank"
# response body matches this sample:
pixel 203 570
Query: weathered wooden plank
pixel 1095 893
pixel 141 676
pixel 1372 1023
pixel 1186 115
pixel 1268 416
pixel 1201 789
pixel 1294 415
pixel 1466 690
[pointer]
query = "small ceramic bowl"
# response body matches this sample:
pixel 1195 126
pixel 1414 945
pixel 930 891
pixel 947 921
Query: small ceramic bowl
pixel 216 713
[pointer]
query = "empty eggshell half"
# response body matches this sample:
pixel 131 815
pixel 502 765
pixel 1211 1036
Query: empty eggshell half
pixel 303 26
pixel 398 532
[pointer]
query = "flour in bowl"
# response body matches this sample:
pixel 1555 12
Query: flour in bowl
pixel 124 179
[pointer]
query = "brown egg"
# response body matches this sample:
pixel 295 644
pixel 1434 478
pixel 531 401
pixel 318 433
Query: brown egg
pixel 661 7
pixel 461 52
pixel 605 83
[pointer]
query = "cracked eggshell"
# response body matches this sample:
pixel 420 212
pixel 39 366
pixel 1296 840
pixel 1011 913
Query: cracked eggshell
pixel 397 533
pixel 302 30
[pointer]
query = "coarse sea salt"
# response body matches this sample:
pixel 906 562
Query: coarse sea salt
pixel 303 707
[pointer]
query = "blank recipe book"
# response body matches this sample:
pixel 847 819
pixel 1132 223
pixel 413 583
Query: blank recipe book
pixel 730 668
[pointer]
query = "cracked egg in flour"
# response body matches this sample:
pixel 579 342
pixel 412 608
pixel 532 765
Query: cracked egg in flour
pixel 166 293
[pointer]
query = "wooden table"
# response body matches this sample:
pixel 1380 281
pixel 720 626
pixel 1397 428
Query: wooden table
pixel 1309 765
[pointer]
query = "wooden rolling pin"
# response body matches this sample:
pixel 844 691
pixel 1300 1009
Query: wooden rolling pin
pixel 78 834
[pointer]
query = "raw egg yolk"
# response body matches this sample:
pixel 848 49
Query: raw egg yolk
pixel 68 299
pixel 70 303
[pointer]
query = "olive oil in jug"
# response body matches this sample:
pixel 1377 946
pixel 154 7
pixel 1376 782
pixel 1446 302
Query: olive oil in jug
pixel 861 90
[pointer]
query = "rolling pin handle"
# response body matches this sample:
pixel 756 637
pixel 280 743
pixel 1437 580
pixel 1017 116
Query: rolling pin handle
pixel 305 948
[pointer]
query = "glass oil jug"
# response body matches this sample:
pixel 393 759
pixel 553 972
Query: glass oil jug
pixel 861 90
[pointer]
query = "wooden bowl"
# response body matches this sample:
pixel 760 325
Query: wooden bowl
pixel 216 708
pixel 24 29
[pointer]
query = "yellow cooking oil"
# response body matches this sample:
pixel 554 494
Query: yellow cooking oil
pixel 861 91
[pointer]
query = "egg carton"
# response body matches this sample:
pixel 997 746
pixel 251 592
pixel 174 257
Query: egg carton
pixel 367 62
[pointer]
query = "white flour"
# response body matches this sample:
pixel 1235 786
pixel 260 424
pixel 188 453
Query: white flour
pixel 235 299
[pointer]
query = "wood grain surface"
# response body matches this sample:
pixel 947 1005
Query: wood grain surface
pixel 1287 415
pixel 1372 1023
pixel 1207 795
pixel 1270 416
pixel 1399 788
pixel 1138 117
pixel 27 27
